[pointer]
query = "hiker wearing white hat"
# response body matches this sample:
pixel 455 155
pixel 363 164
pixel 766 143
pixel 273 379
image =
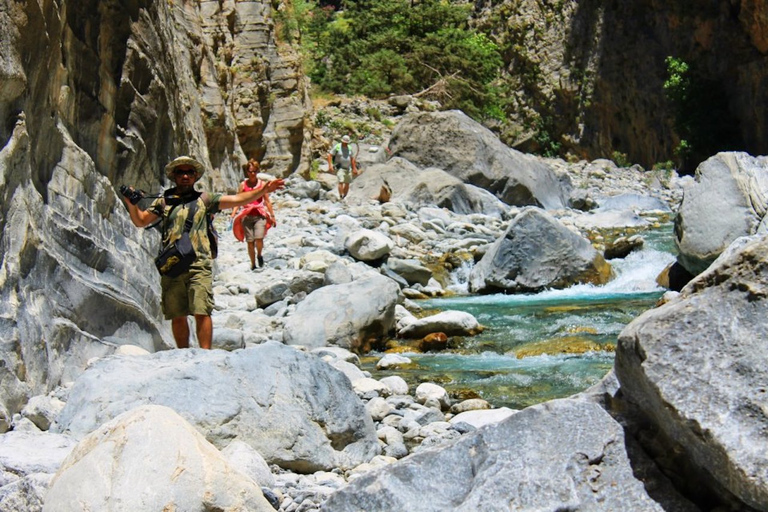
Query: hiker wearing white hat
pixel 346 166
pixel 185 260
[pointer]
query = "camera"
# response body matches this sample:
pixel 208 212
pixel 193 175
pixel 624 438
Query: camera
pixel 133 195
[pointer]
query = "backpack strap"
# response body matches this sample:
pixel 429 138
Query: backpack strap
pixel 190 215
pixel 192 206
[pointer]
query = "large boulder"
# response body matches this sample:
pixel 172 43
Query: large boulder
pixel 561 455
pixel 352 315
pixel 696 368
pixel 430 186
pixel 728 199
pixel 150 458
pixel 293 408
pixel 536 252
pixel 455 143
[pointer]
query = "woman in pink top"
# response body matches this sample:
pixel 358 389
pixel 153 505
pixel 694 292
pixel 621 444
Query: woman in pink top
pixel 256 217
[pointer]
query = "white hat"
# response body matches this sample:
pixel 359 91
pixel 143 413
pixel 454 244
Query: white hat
pixel 187 161
pixel 345 139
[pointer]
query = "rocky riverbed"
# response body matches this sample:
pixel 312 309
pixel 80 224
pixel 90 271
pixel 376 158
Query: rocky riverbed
pixel 368 258
pixel 280 415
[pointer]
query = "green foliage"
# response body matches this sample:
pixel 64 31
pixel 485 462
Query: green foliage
pixel 384 47
pixel 374 113
pixel 667 165
pixel 620 159
pixel 292 17
pixel 678 82
pixel 549 146
pixel 314 170
pixel 322 118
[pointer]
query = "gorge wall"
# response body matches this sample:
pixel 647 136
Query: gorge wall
pixel 590 74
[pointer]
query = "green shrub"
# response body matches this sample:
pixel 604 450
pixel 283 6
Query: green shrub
pixel 384 47
pixel 620 159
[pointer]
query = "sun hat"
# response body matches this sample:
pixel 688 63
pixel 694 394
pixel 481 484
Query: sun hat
pixel 345 139
pixel 184 161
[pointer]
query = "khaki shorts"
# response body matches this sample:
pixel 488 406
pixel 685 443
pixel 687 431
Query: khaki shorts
pixel 344 175
pixel 254 227
pixel 191 293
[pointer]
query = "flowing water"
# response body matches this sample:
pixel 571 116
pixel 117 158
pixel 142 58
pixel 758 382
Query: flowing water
pixel 541 346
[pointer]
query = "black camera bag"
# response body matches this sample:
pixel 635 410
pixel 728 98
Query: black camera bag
pixel 176 258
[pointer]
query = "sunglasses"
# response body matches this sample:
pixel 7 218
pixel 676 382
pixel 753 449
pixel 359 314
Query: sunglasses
pixel 182 172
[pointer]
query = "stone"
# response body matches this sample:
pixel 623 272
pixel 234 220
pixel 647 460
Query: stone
pixel 107 468
pixel 293 408
pixel 558 455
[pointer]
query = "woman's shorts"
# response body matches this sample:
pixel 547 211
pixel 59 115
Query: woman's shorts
pixel 254 227
pixel 191 293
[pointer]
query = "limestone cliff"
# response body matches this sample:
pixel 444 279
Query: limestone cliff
pixel 97 93
pixel 590 74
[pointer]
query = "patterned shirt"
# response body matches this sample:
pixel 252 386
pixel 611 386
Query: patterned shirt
pixel 173 219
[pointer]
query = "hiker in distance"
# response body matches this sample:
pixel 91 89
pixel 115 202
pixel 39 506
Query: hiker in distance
pixel 346 165
pixel 257 216
pixel 186 270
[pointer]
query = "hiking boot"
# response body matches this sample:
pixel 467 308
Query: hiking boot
pixel 261 261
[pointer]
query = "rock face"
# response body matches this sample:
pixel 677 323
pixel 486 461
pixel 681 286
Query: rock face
pixel 696 368
pixel 453 142
pixel 353 315
pixel 95 94
pixel 426 187
pixel 187 472
pixel 566 87
pixel 562 455
pixel 729 199
pixel 537 252
pixel 294 409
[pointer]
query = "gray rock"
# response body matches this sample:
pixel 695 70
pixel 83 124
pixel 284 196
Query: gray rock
pixel 26 453
pixel 430 186
pixel 249 462
pixel 729 199
pixel 452 323
pixel 555 456
pixel 351 316
pixel 270 292
pixel 42 410
pixel 453 142
pixel 367 245
pixel 411 270
pixel 696 368
pixel 538 252
pixel 293 408
pixel 25 494
pixel 101 472
pixel 228 339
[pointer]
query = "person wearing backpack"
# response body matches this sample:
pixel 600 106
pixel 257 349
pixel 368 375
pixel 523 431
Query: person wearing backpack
pixel 257 216
pixel 187 285
pixel 345 163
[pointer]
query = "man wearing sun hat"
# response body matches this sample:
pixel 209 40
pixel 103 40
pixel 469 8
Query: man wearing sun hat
pixel 190 293
pixel 346 166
